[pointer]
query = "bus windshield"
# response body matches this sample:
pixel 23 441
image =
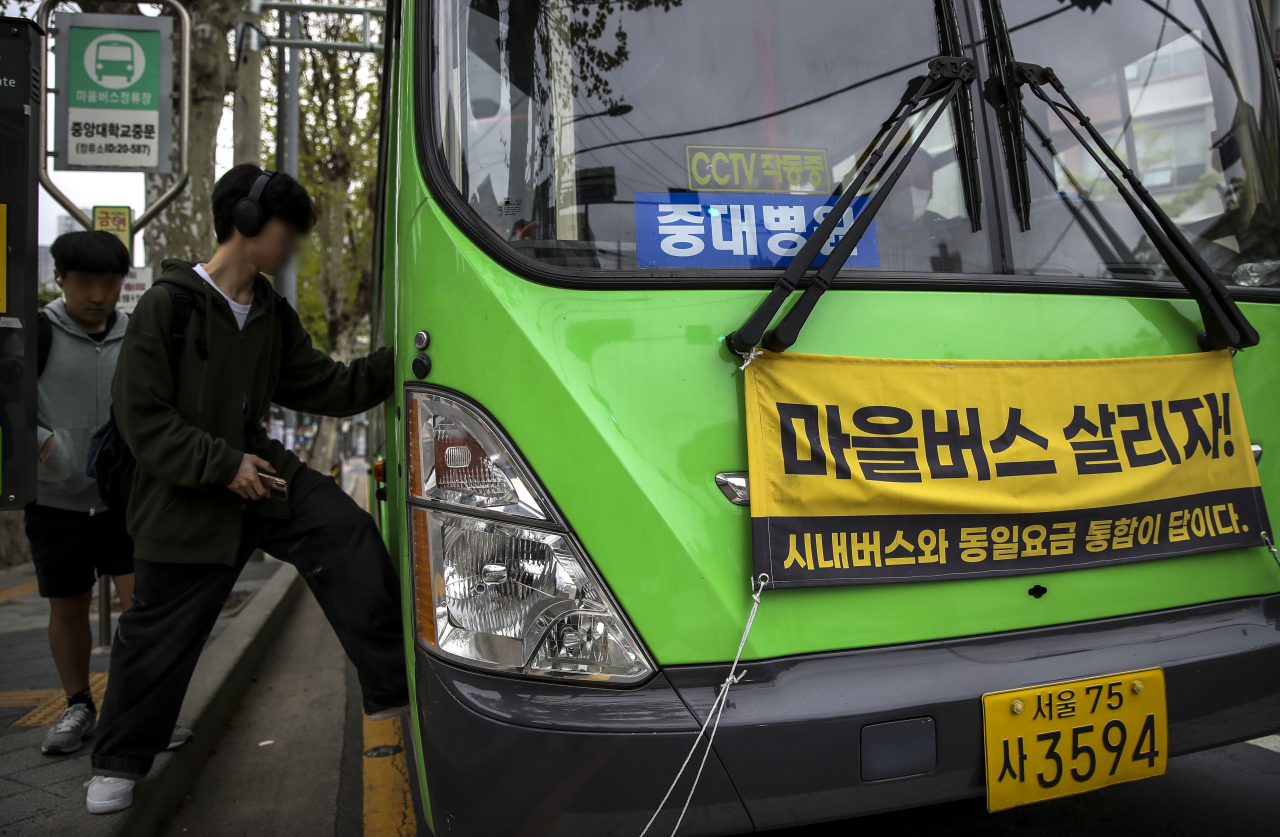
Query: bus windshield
pixel 715 134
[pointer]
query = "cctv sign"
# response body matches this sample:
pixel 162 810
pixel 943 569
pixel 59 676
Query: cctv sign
pixel 114 111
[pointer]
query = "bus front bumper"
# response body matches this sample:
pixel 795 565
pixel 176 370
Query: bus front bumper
pixel 506 756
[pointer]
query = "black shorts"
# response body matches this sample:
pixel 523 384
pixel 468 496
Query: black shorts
pixel 71 549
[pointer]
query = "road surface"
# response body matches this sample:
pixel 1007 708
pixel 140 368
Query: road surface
pixel 313 778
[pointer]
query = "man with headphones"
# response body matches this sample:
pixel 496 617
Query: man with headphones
pixel 206 352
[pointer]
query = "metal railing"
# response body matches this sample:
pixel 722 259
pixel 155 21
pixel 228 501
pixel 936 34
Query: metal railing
pixel 365 44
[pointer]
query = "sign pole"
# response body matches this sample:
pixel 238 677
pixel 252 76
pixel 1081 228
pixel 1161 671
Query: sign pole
pixel 287 145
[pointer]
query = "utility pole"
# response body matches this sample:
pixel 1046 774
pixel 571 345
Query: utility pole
pixel 288 120
pixel 287 123
pixel 247 110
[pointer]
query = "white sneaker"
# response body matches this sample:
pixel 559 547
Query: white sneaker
pixel 107 794
pixel 388 714
pixel 181 735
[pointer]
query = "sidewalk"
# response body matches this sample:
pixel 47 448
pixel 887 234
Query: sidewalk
pixel 42 794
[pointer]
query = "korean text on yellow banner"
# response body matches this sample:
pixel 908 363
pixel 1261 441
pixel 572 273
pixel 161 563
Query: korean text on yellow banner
pixel 867 471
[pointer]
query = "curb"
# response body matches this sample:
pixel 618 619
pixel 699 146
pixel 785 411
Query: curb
pixel 221 678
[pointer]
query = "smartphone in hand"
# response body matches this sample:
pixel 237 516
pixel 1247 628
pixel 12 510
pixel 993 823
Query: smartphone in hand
pixel 275 486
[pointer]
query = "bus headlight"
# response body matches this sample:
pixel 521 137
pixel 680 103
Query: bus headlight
pixel 490 590
pixel 457 459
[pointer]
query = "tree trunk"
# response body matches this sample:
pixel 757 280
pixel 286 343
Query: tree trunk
pixel 324 452
pixel 184 230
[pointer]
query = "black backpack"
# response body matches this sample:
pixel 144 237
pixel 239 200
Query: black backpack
pixel 111 463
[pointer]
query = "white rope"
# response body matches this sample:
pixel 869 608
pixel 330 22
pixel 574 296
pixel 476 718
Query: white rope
pixel 1271 546
pixel 717 709
pixel 747 357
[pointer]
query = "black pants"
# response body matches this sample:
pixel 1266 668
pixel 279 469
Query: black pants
pixel 337 549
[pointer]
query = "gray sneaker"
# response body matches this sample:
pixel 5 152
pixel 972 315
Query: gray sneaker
pixel 68 734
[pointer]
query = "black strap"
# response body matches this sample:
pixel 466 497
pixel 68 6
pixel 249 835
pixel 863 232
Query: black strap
pixel 44 342
pixel 183 304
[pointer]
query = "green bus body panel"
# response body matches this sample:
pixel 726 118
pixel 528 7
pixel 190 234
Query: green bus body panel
pixel 392 514
pixel 626 405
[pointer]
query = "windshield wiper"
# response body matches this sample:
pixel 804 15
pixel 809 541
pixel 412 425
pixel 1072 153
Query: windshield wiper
pixel 1225 325
pixel 965 139
pixel 948 79
pixel 947 76
pixel 1005 95
pixel 1119 260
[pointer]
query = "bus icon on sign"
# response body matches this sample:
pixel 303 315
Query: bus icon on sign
pixel 114 60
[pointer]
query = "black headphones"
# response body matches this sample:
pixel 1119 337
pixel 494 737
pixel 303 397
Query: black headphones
pixel 248 215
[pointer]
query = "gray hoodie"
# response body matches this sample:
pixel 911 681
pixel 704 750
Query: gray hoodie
pixel 75 400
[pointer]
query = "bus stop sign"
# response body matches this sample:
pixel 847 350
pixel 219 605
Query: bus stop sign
pixel 113 110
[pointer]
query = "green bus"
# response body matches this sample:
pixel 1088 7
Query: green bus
pixel 586 206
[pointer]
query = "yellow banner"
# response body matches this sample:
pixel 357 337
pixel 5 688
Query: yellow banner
pixel 868 471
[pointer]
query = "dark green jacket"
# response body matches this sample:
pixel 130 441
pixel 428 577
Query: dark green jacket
pixel 189 447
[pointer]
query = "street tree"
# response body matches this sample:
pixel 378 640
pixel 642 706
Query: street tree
pixel 337 163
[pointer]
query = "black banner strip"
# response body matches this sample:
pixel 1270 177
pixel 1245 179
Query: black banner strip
pixel 884 549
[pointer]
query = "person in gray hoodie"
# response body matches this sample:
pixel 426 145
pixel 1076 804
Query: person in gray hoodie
pixel 74 537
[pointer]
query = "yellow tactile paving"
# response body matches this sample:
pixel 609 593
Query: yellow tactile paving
pixel 51 707
pixel 17 591
pixel 27 697
pixel 388 801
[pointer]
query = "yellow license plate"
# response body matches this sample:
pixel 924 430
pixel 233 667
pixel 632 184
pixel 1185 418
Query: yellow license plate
pixel 1059 739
